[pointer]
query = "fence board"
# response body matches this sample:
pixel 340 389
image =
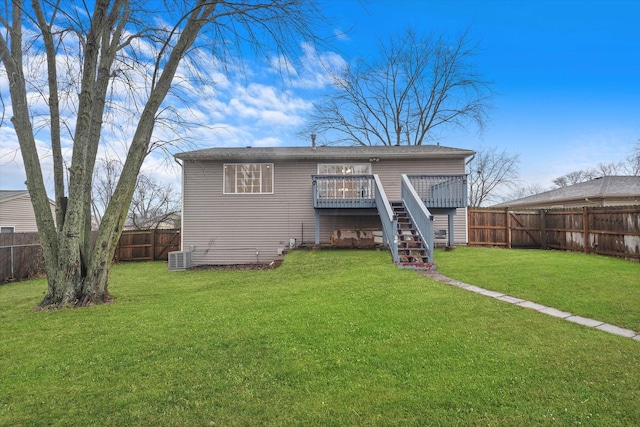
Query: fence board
pixel 147 245
pixel 21 254
pixel 487 227
pixel 610 230
pixel 525 229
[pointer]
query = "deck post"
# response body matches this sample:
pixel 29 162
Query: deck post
pixel 317 237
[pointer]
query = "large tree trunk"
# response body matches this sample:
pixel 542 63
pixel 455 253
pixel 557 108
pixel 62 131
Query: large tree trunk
pixel 77 269
pixel 82 275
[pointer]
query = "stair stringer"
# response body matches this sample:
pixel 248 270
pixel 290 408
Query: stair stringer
pixel 413 249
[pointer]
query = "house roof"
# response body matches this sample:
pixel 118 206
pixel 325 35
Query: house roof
pixel 607 186
pixel 325 153
pixel 6 195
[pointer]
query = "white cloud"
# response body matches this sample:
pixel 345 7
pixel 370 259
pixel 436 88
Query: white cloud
pixel 215 100
pixel 341 35
pixel 315 70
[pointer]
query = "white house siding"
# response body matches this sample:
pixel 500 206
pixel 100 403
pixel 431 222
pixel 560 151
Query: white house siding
pixel 18 212
pixel 251 228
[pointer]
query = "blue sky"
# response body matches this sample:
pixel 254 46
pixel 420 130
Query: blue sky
pixel 567 76
pixel 567 73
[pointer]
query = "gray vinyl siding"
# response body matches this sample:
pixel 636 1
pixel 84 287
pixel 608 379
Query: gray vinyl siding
pixel 251 228
pixel 245 228
pixel 18 212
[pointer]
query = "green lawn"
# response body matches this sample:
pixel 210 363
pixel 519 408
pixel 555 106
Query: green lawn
pixel 598 287
pixel 333 338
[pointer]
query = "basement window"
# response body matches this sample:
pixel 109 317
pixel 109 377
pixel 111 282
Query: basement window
pixel 248 178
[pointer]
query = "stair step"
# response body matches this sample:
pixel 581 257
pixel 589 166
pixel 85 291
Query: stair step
pixel 407 232
pixel 410 242
pixel 413 260
pixel 417 265
pixel 412 252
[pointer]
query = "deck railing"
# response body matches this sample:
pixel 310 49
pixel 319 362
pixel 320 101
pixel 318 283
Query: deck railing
pixel 420 216
pixel 344 191
pixel 359 191
pixel 441 191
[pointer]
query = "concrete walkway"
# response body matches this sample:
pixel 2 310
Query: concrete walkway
pixel 534 306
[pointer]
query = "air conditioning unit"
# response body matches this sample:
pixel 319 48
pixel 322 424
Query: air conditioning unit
pixel 179 260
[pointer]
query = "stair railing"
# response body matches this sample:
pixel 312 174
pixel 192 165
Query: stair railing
pixel 420 215
pixel 387 218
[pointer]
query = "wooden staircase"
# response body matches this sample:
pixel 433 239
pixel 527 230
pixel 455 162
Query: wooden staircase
pixel 412 251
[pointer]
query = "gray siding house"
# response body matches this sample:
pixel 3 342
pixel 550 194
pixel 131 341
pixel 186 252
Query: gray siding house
pixel 16 212
pixel 603 191
pixel 247 205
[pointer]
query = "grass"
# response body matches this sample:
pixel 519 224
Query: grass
pixel 597 287
pixel 333 338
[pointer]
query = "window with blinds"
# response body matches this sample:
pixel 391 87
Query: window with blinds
pixel 248 178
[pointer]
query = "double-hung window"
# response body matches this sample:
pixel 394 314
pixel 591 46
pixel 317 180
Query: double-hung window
pixel 248 178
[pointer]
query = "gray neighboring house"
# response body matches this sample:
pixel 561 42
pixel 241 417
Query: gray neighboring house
pixel 248 205
pixel 604 191
pixel 16 212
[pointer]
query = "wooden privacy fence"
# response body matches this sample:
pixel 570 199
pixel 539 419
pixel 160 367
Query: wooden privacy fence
pixel 21 253
pixel 147 245
pixel 20 256
pixel 612 230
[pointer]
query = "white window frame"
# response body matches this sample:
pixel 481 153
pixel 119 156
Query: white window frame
pixel 12 227
pixel 347 168
pixel 343 189
pixel 259 185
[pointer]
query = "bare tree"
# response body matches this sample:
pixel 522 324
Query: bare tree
pixel 418 84
pixel 576 177
pixel 523 191
pixel 98 55
pixel 105 180
pixel 602 169
pixel 490 171
pixel 152 204
pixel 634 159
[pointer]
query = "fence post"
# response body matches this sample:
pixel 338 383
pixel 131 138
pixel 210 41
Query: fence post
pixel 543 229
pixel 508 227
pixel 585 229
pixel 153 244
pixel 12 269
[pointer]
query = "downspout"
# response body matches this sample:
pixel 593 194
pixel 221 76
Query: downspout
pixel 181 204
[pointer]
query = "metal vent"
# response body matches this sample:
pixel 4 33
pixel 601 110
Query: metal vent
pixel 180 260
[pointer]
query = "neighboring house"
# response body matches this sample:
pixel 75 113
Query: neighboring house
pixel 16 212
pixel 247 205
pixel 604 191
